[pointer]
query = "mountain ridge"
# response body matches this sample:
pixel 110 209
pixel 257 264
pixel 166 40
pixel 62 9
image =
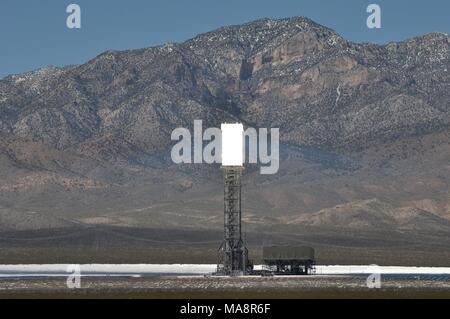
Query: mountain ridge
pixel 231 98
pixel 358 122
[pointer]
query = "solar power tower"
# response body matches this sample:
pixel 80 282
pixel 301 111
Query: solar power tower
pixel 233 255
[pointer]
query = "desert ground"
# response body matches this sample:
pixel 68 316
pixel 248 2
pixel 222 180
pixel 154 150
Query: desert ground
pixel 192 287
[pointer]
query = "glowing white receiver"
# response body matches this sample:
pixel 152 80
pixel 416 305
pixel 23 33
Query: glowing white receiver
pixel 232 144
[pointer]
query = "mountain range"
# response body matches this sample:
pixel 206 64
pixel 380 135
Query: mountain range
pixel 364 132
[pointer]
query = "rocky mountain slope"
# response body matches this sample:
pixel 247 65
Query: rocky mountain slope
pixel 364 131
pixel 320 89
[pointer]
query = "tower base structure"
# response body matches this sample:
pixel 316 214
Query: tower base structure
pixel 233 255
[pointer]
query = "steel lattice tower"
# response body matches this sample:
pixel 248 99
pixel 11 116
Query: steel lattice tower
pixel 233 255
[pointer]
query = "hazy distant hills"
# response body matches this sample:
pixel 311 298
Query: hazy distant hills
pixel 364 127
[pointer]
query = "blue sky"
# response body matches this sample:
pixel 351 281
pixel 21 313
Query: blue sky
pixel 34 33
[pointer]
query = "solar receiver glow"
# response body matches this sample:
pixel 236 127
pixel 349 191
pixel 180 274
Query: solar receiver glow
pixel 232 144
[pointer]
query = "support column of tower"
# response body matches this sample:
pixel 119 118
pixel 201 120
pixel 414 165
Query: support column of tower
pixel 233 255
